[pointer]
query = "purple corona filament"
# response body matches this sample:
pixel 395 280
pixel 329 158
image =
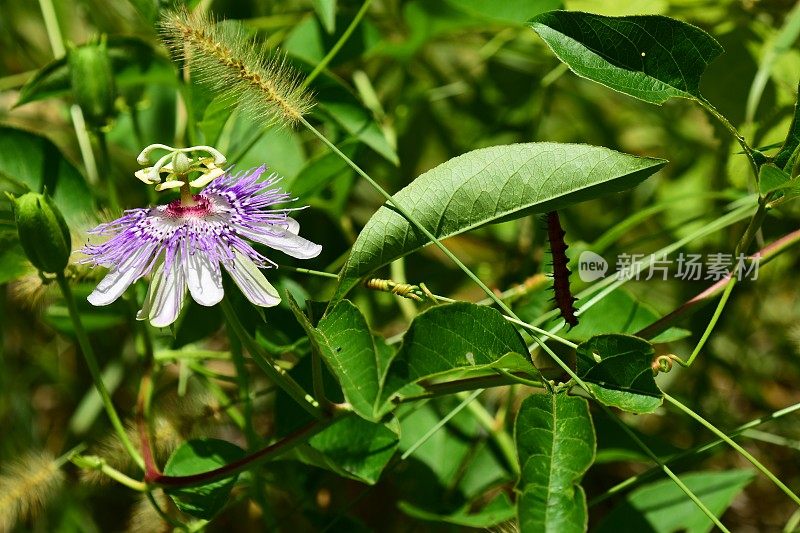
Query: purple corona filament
pixel 185 246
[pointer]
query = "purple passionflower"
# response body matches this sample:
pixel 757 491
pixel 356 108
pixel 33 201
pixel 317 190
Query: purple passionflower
pixel 186 242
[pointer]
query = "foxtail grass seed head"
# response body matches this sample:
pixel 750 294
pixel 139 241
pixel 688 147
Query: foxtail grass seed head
pixel 186 242
pixel 223 57
pixel 43 233
pixel 27 485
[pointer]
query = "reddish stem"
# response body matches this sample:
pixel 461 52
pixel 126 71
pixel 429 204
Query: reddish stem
pixel 764 256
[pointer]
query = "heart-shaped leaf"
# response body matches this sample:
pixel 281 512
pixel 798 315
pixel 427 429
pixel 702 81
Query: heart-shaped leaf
pixel 459 336
pixel 490 185
pixel 650 57
pixel 195 457
pixel 556 445
pixel 617 368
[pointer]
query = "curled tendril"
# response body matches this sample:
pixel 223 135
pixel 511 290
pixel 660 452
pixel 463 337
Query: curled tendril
pixel 663 363
pixel 406 290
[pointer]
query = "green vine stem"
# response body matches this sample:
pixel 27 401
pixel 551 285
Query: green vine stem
pixel 501 379
pixel 662 466
pixel 725 438
pixel 749 152
pixel 432 238
pixel 635 480
pixel 91 462
pixel 94 369
pixel 265 363
pixel 726 293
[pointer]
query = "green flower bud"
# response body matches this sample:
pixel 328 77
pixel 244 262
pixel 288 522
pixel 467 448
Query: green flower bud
pixel 43 233
pixel 93 82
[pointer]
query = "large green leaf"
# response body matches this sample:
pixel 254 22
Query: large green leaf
pixel 556 444
pixel 490 185
pixel 459 336
pixel 650 57
pixel 32 162
pixel 617 368
pixel 195 457
pixel 662 507
pixel 357 359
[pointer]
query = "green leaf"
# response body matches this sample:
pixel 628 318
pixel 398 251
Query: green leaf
pixel 490 185
pixel 617 370
pixel 357 359
pixel 650 57
pixel 497 511
pixel 133 60
pixel 459 336
pixel 352 447
pixel 787 156
pixel 663 507
pixel 509 11
pixel 556 445
pixel 35 163
pixel 771 178
pixel 326 11
pixel 195 457
pixel 619 312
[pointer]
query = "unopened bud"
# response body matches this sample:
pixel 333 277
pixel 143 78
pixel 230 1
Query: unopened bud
pixel 43 233
pixel 93 82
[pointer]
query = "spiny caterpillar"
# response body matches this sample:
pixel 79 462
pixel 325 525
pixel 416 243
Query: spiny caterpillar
pixel 558 250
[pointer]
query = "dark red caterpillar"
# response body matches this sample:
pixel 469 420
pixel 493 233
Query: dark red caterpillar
pixel 558 250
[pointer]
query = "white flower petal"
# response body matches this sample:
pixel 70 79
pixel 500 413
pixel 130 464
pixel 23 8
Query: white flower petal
pixel 287 241
pixel 170 293
pixel 204 279
pixel 294 226
pixel 252 282
pixel 147 305
pixel 119 279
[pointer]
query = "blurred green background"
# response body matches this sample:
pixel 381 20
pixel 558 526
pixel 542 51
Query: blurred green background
pixel 417 83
